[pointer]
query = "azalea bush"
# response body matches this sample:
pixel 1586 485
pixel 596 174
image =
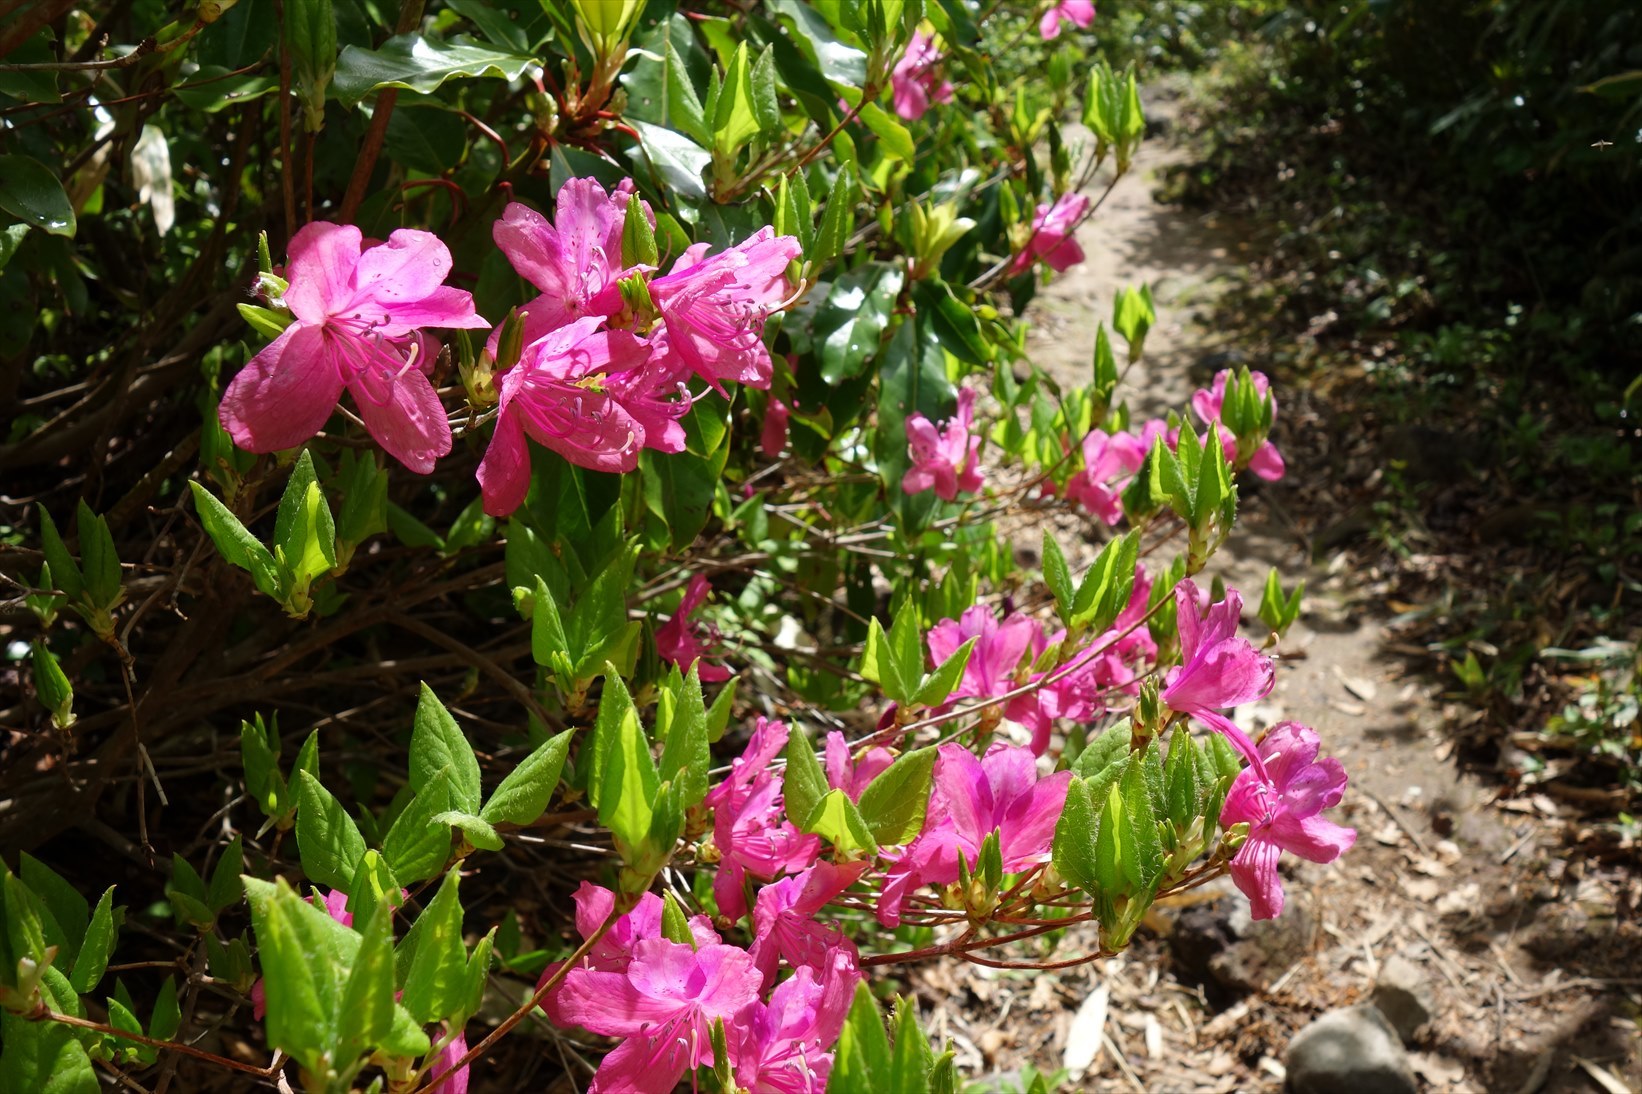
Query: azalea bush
pixel 585 445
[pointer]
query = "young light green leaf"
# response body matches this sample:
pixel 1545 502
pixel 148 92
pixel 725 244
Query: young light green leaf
pixel 1058 576
pixel 236 544
pixel 433 959
pixel 366 1014
pixel 51 684
pixel 97 944
pixel 523 795
pixel 806 783
pixel 938 685
pixel 64 570
pixel 417 845
pixel 101 564
pixel 328 841
pixel 895 802
pixel 837 820
pixel 439 749
pixel 476 830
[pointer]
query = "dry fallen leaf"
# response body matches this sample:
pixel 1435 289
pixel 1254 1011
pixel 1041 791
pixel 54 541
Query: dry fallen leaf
pixel 1359 686
pixel 1084 1039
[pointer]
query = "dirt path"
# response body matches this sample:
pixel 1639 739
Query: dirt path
pixel 1513 951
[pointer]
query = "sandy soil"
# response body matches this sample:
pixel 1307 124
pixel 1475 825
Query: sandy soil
pixel 1531 956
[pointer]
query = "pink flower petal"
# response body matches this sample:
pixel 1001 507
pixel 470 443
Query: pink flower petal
pixel 321 269
pixel 405 416
pixel 284 394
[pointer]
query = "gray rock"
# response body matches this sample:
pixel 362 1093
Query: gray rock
pixel 1349 1051
pixel 1403 995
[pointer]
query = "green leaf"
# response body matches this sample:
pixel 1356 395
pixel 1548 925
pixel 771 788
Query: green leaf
pixel 31 193
pixel 806 782
pixel 939 684
pixel 236 544
pixel 478 831
pixel 224 890
pixel 1058 576
pixel 422 64
pixel 547 633
pixel 736 120
pixel 96 946
pixel 101 562
pixel 837 221
pixel 880 664
pixel 417 845
pixel 64 570
pixel 837 820
pixel 46 1057
pixel 187 894
pixel 681 108
pixel 366 1014
pixel 1073 849
pixel 628 794
pixel 523 795
pixel 51 684
pixel 615 710
pixel 909 1068
pixel 851 322
pixel 304 530
pixel 684 758
pixel 675 924
pixel 433 957
pixel 67 912
pixel 258 749
pixel 439 749
pixel 1104 591
pixel 328 841
pixel 863 1057
pixel 676 161
pixel 894 138
pixel 306 957
pixel 373 883
pixel 1143 862
pixel 895 802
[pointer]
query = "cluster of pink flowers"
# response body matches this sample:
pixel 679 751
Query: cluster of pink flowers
pixel 1053 237
pixel 1005 650
pixel 594 382
pixel 944 460
pixel 663 997
pixel 915 82
pixel 1080 13
pixel 1110 460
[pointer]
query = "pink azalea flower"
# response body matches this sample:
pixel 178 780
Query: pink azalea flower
pixel 1052 235
pixel 683 642
pixel 575 260
pixel 1218 669
pixel 784 923
pixel 774 436
pixel 662 1006
pixel 1283 808
pixel 1266 461
pixel 443 1065
pixel 614 951
pixel 715 307
pixel 969 800
pixel 785 1046
pixel 1109 463
pixel 999 647
pixel 944 462
pixel 848 774
pixel 750 831
pixel 356 314
pixel 593 396
pixel 1079 12
pixel 913 83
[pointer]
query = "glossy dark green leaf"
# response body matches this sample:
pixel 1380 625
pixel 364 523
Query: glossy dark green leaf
pixel 31 193
pixel 421 64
